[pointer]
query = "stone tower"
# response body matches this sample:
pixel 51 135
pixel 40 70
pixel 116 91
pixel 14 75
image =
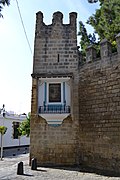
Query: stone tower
pixel 75 106
pixel 55 105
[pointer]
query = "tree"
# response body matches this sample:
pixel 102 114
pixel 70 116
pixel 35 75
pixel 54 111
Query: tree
pixel 24 128
pixel 86 39
pixel 3 130
pixel 3 3
pixel 105 22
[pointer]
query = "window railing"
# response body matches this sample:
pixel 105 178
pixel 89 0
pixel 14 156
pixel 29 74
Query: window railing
pixel 47 109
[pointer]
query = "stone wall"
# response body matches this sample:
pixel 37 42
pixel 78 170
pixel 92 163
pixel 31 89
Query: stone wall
pixel 55 47
pixel 53 145
pixel 55 55
pixel 99 95
pixel 90 135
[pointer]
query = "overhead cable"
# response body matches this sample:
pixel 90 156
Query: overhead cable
pixel 23 26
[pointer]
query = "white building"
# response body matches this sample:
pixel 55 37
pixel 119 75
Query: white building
pixel 11 138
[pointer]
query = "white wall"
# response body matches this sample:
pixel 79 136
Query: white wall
pixel 54 118
pixel 54 80
pixel 67 93
pixel 8 140
pixel 41 93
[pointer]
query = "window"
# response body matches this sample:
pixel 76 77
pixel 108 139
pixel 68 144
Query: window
pixel 54 92
pixel 58 57
pixel 15 130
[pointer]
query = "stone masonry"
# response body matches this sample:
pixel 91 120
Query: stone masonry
pixel 90 135
pixel 55 55
pixel 99 96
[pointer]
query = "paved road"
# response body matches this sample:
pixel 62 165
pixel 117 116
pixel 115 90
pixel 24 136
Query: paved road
pixel 8 171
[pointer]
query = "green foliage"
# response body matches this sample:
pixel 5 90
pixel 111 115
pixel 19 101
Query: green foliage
pixel 86 39
pixel 3 3
pixel 24 128
pixel 3 130
pixel 106 20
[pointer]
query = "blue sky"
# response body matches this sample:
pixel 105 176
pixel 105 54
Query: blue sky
pixel 16 60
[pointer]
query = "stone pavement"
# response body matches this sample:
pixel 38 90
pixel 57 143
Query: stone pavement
pixel 8 171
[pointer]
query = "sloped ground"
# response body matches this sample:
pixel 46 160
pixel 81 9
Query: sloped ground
pixel 8 171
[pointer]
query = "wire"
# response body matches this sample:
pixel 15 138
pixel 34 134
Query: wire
pixel 23 26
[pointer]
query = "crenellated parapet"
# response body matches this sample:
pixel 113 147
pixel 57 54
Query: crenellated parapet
pixel 57 18
pixel 90 54
pixel 105 48
pixel 73 17
pixel 57 28
pixel 39 16
pixel 39 20
pixel 55 47
pixel 105 51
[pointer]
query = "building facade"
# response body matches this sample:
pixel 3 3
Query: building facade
pixel 11 137
pixel 54 81
pixel 69 122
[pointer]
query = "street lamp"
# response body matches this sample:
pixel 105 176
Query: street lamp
pixel 3 109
